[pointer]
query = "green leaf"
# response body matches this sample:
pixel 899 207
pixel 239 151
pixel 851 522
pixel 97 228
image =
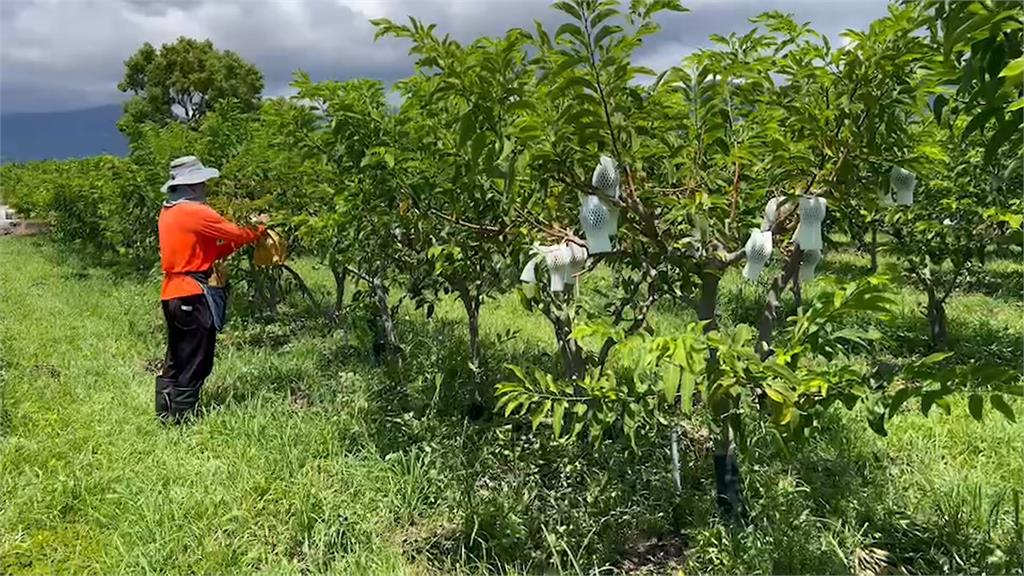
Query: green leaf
pixel 783 372
pixel 938 105
pixel 975 404
pixel 518 372
pixel 999 403
pixel 605 32
pixel 978 121
pixel 927 400
pixel 539 413
pixel 568 8
pixel 1011 389
pixel 572 30
pixel 933 358
pixel 1016 105
pixel 1014 68
pixel 775 394
pixel 1009 127
pixel 557 417
pixel 602 15
pixel 477 147
pixel 513 403
pixel 689 385
pixel 467 128
pixel 670 377
pixel 899 398
pixel 876 421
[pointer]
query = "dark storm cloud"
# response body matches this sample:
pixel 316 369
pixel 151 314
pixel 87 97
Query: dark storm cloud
pixel 64 54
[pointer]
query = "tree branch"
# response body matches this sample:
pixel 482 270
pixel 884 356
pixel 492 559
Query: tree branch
pixel 491 230
pixel 735 191
pixel 766 326
pixel 638 319
pixel 956 280
pixel 355 272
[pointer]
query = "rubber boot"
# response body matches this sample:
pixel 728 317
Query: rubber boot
pixel 163 398
pixel 183 401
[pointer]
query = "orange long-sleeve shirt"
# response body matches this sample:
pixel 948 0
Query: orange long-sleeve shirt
pixel 192 237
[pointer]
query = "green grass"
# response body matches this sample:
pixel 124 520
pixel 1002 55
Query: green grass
pixel 312 459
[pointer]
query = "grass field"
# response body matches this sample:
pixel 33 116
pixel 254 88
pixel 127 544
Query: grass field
pixel 312 459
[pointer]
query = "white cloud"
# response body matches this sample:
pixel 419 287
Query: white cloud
pixel 65 54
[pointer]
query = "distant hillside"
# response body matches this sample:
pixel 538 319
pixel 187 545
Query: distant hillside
pixel 58 135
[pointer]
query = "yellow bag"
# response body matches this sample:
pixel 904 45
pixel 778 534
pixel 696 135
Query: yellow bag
pixel 271 250
pixel 219 276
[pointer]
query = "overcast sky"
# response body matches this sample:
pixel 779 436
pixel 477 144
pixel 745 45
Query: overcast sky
pixel 69 54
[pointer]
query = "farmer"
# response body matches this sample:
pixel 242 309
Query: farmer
pixel 192 237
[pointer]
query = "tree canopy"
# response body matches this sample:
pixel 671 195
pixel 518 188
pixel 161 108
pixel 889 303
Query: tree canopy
pixel 184 81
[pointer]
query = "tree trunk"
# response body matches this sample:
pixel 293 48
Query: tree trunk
pixel 937 323
pixel 728 495
pixel 340 276
pixel 707 306
pixel 770 312
pixel 386 324
pixel 873 248
pixel 471 302
pixel 273 293
pixel 798 294
pixel 575 365
pixel 727 473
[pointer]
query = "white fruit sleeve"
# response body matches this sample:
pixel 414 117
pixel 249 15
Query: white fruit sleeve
pixel 810 260
pixel 606 178
pixel 903 182
pixel 600 221
pixel 808 230
pixel 758 250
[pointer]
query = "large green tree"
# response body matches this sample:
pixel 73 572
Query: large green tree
pixel 183 81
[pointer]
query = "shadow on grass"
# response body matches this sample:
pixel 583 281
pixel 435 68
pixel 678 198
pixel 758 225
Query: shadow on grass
pixel 973 341
pixel 507 486
pixel 1001 279
pixel 847 267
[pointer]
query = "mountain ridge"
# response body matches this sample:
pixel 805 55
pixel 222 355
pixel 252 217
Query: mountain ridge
pixel 30 136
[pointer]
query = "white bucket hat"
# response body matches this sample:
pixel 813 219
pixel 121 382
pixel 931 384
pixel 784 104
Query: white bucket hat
pixel 188 170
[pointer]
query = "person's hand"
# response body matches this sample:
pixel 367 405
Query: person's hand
pixel 261 219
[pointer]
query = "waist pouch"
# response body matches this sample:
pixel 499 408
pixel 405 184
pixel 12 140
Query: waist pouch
pixel 216 298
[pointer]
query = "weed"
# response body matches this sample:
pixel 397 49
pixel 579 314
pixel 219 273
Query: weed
pixel 311 458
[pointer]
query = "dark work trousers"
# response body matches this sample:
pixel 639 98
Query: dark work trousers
pixel 190 343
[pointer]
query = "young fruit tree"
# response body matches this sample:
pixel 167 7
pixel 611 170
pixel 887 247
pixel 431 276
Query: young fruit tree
pixel 701 153
pixel 460 165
